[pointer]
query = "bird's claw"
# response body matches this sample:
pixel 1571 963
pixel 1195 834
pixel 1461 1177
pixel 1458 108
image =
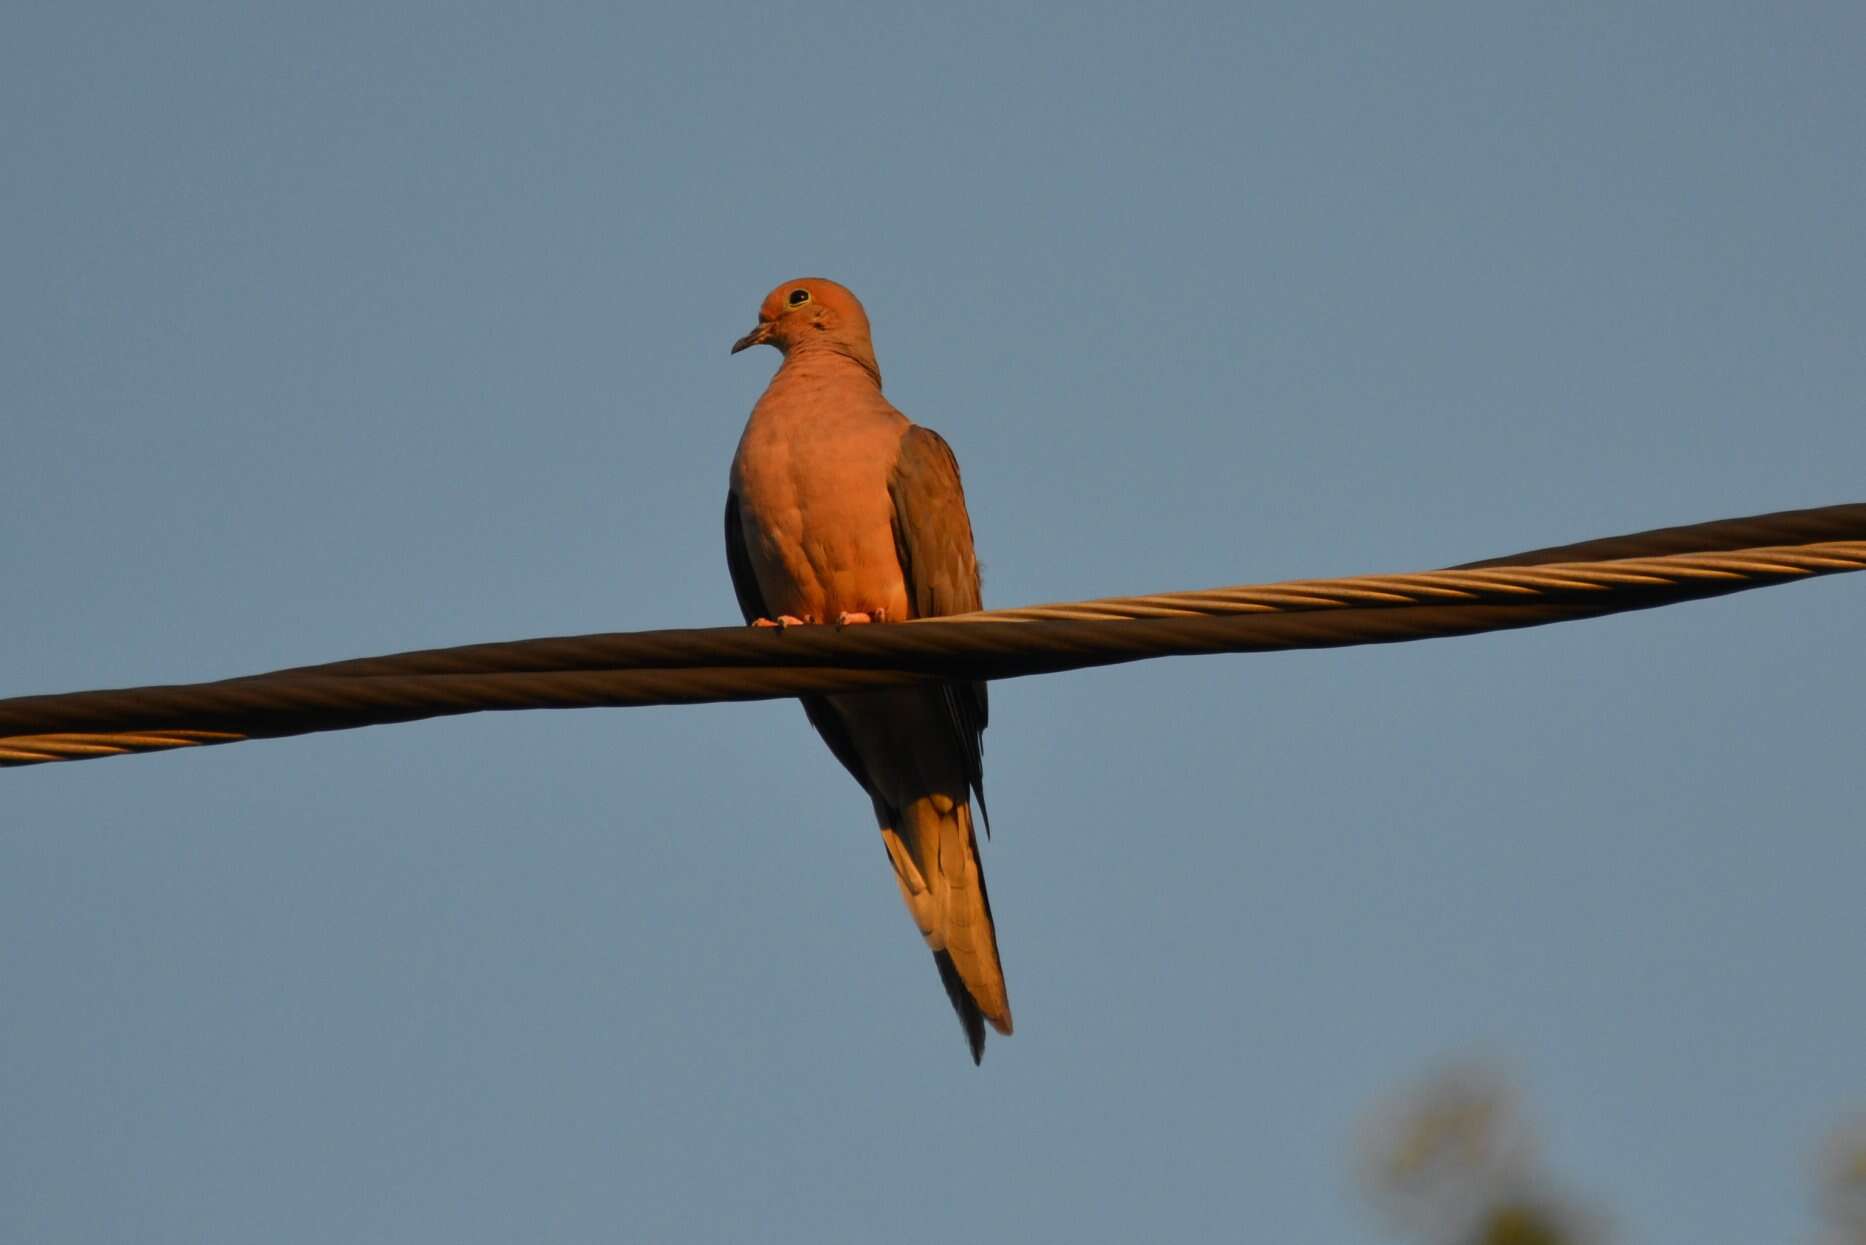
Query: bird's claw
pixel 876 615
pixel 782 621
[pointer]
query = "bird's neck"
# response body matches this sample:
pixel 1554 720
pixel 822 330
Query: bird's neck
pixel 826 357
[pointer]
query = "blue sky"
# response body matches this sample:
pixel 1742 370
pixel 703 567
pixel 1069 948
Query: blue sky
pixel 349 330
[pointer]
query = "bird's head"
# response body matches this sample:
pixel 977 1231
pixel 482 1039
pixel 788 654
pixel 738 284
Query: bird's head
pixel 813 313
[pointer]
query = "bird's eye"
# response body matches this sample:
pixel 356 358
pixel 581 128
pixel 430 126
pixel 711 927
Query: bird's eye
pixel 799 297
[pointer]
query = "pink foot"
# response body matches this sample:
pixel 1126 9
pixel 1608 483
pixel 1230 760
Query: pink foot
pixel 871 616
pixel 782 621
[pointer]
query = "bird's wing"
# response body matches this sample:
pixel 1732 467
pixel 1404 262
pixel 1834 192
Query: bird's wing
pixel 739 562
pixel 933 539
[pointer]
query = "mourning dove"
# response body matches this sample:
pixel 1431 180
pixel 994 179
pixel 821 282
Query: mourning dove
pixel 842 511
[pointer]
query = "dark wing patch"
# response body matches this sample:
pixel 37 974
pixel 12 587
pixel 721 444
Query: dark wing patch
pixel 933 539
pixel 752 604
pixel 739 562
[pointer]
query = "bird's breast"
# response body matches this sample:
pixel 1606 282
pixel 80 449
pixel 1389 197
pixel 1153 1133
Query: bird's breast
pixel 811 476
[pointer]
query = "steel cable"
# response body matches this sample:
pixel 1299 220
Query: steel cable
pixel 1617 574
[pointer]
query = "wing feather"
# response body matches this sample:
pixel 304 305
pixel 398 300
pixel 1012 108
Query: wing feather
pixel 933 539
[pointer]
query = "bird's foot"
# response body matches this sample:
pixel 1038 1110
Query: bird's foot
pixel 876 615
pixel 784 620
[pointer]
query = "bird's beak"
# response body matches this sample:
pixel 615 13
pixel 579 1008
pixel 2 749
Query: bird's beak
pixel 757 337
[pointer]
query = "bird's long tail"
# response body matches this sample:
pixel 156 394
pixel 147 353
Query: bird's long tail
pixel 935 858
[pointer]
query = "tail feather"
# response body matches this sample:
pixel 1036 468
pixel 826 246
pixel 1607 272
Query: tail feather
pixel 970 1018
pixel 935 856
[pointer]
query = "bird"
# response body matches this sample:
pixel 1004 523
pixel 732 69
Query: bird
pixel 842 511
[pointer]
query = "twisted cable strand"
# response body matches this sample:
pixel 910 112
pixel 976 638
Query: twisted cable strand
pixel 738 663
pixel 70 746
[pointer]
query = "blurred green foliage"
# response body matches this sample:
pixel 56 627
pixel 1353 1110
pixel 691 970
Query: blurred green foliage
pixel 1452 1161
